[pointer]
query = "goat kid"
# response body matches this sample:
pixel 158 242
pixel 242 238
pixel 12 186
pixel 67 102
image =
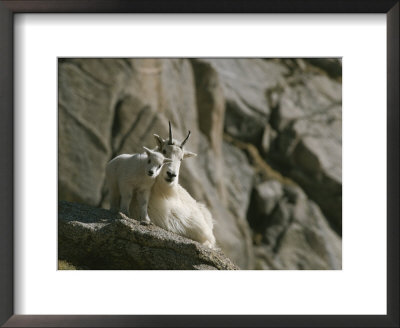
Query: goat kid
pixel 130 178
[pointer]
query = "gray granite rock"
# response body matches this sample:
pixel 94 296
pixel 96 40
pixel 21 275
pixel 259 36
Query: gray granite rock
pixel 308 145
pixel 294 232
pixel 97 239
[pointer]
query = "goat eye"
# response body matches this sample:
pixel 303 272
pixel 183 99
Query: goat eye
pixel 159 166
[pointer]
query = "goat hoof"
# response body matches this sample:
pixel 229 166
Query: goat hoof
pixel 124 213
pixel 146 223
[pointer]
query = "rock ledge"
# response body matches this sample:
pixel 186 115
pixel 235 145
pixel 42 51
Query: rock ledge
pixel 97 239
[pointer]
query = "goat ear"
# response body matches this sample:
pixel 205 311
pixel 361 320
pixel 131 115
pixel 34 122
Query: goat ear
pixel 159 141
pixel 148 151
pixel 188 154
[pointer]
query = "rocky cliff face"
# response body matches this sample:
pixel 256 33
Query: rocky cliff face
pixel 268 135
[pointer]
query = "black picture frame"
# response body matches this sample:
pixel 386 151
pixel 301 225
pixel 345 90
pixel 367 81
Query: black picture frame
pixel 10 7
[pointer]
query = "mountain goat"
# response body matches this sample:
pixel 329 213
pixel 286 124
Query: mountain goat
pixel 171 206
pixel 133 176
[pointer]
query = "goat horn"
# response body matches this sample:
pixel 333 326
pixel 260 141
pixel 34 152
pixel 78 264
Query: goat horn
pixel 184 141
pixel 170 134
